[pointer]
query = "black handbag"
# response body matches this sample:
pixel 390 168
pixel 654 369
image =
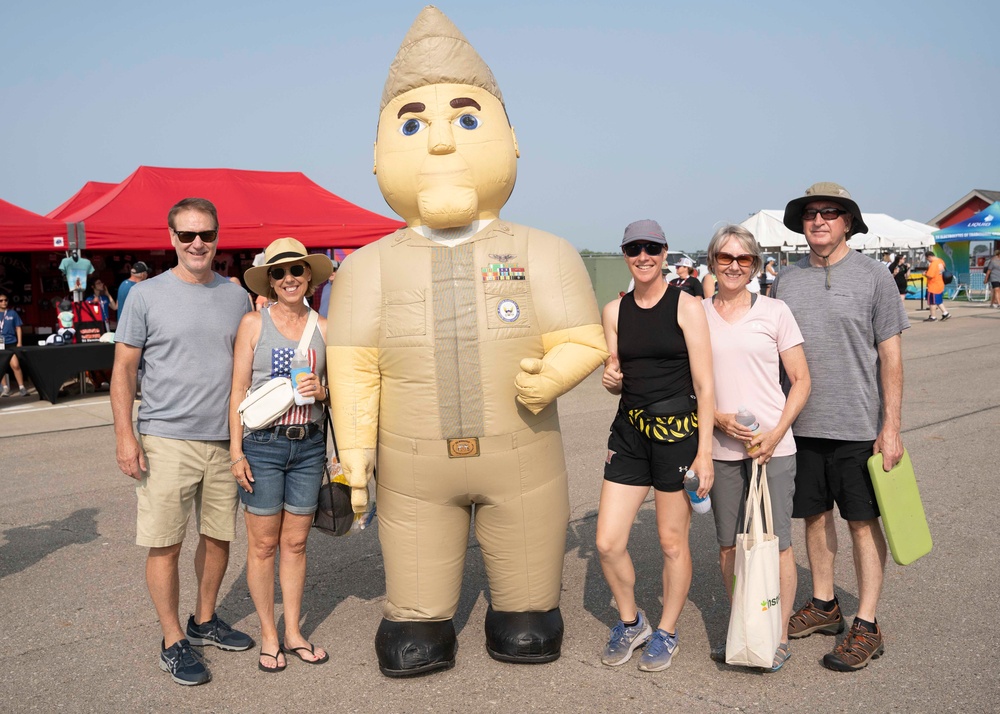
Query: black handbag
pixel 334 514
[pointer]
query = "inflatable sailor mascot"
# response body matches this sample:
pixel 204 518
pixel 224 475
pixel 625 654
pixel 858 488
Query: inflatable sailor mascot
pixel 451 340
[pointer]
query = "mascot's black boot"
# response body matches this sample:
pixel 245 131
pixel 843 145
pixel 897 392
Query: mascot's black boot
pixel 406 649
pixel 524 637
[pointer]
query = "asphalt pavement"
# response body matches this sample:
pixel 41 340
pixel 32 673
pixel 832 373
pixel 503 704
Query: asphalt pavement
pixel 79 633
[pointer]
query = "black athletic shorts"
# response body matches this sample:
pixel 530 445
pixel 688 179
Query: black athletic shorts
pixel 636 460
pixel 829 471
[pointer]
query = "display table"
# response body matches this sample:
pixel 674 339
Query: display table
pixel 49 366
pixel 5 356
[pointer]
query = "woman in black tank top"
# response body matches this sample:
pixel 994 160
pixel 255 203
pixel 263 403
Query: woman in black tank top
pixel 660 357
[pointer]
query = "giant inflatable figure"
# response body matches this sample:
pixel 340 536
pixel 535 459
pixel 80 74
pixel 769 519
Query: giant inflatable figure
pixel 449 342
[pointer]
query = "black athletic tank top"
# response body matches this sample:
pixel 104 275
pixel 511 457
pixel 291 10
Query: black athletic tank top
pixel 652 351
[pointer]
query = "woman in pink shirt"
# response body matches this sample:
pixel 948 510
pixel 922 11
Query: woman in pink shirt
pixel 752 335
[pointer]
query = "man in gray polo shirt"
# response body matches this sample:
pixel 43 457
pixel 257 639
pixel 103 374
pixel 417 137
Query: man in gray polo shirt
pixel 850 315
pixel 182 325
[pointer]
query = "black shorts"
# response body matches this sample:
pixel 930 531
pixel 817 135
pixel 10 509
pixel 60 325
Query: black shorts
pixel 636 460
pixel 829 471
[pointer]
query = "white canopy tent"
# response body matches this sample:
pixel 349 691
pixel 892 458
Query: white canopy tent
pixel 769 229
pixel 887 233
pixel 884 233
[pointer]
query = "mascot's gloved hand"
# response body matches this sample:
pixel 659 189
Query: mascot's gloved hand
pixel 538 384
pixel 359 467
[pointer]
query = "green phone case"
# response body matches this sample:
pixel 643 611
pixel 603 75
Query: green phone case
pixel 902 512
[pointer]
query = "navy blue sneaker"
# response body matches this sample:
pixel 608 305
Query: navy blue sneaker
pixel 183 664
pixel 625 640
pixel 219 634
pixel 660 650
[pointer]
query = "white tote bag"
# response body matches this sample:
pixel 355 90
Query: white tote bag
pixel 755 619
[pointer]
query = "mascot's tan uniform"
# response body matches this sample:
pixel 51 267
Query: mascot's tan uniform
pixel 451 341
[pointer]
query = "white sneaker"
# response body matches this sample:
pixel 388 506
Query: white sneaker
pixel 5 392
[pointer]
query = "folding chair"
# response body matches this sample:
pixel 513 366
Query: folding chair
pixel 960 283
pixel 978 290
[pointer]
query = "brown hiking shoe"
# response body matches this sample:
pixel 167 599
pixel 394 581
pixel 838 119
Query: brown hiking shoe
pixel 856 650
pixel 809 619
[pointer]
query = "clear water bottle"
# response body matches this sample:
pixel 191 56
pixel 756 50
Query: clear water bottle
pixel 698 504
pixel 745 417
pixel 299 368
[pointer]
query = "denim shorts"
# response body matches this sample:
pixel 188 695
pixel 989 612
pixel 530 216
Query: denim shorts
pixel 287 473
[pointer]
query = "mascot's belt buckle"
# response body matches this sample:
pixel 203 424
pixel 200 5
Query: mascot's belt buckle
pixel 461 448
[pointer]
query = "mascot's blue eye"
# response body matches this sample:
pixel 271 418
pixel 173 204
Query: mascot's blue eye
pixel 411 127
pixel 468 121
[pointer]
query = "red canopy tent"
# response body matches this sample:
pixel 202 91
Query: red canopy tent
pixel 255 207
pixel 91 191
pixel 24 231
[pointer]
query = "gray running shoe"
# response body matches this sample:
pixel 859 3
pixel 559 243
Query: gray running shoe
pixel 625 640
pixel 660 650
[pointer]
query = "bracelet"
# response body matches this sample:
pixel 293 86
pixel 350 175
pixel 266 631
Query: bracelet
pixel 233 463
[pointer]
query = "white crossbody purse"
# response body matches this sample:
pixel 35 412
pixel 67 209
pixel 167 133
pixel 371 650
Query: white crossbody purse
pixel 269 402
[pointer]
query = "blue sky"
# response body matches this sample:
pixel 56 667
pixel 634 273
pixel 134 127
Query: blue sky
pixel 689 113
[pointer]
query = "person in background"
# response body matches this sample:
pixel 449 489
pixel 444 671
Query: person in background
pixel 709 284
pixel 767 276
pixel 753 338
pixel 10 327
pixel 900 270
pixel 138 273
pixel 685 280
pixel 991 278
pixel 848 310
pixel 327 288
pixel 935 287
pixel 100 295
pixel 660 363
pixel 236 281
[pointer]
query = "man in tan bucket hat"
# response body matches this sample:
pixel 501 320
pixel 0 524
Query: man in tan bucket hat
pixel 453 339
pixel 849 312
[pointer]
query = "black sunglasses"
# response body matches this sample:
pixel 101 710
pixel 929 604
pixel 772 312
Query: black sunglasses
pixel 828 214
pixel 744 261
pixel 297 271
pixel 189 236
pixel 633 249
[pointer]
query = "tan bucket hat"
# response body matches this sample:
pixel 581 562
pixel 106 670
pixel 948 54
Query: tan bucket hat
pixel 282 252
pixel 824 191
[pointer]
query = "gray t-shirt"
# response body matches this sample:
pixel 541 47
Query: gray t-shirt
pixel 994 269
pixel 186 332
pixel 842 326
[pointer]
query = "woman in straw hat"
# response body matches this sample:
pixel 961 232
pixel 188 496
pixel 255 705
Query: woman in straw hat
pixel 279 469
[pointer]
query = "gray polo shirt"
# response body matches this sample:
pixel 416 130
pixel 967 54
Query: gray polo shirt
pixel 842 326
pixel 186 332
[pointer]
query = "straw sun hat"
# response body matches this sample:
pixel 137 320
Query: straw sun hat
pixel 282 252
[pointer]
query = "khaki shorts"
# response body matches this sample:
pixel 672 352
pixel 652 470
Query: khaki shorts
pixel 183 474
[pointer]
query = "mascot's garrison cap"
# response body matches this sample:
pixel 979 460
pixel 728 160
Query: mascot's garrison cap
pixel 434 51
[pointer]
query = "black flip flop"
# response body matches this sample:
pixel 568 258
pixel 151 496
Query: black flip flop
pixel 311 649
pixel 278 668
